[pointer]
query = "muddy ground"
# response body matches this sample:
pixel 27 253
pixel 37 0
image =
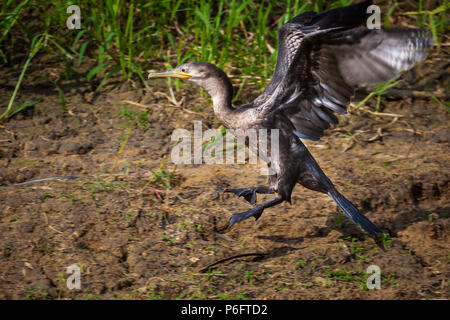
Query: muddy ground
pixel 138 240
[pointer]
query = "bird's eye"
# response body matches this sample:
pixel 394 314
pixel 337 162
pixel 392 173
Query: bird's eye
pixel 183 70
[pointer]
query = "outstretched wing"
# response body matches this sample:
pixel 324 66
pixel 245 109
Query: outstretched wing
pixel 329 64
pixel 291 34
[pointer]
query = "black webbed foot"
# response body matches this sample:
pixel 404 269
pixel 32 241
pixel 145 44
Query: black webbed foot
pixel 238 217
pixel 255 212
pixel 249 194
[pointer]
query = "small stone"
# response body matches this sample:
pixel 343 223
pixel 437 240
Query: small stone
pixel 194 259
pixel 143 289
pixel 320 281
pixel 27 227
pixel 72 147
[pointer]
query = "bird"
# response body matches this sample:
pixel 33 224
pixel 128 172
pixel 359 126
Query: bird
pixel 321 59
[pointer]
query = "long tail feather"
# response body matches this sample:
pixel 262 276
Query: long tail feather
pixel 354 214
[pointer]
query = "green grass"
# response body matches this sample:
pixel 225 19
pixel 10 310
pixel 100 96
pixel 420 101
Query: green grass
pixel 140 118
pixel 121 40
pixel 436 20
pixel 162 176
pixel 378 93
pixel 100 185
pixel 37 293
pixel 36 45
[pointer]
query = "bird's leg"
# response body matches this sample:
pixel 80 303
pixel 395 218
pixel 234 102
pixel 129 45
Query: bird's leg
pixel 249 193
pixel 318 181
pixel 254 212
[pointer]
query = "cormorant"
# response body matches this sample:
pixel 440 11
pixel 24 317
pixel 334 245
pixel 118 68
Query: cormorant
pixel 322 58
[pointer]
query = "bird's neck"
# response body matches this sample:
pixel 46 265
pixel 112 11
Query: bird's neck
pixel 221 92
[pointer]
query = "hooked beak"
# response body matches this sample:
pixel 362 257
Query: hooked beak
pixel 169 74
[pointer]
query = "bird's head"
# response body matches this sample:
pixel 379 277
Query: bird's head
pixel 202 73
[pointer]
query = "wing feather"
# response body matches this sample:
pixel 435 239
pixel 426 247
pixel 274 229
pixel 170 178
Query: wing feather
pixel 291 34
pixel 323 57
pixel 329 64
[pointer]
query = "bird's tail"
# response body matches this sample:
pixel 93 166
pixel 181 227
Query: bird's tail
pixel 354 214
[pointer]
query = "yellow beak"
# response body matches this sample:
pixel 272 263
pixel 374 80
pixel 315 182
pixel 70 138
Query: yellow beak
pixel 169 74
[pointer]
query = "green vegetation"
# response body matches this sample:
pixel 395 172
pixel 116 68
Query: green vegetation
pixel 162 176
pixel 386 240
pixel 435 20
pixel 37 293
pixel 122 39
pixel 140 118
pixel 133 118
pixel 99 184
pixel 381 90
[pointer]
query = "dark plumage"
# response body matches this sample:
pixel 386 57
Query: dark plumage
pixel 321 59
